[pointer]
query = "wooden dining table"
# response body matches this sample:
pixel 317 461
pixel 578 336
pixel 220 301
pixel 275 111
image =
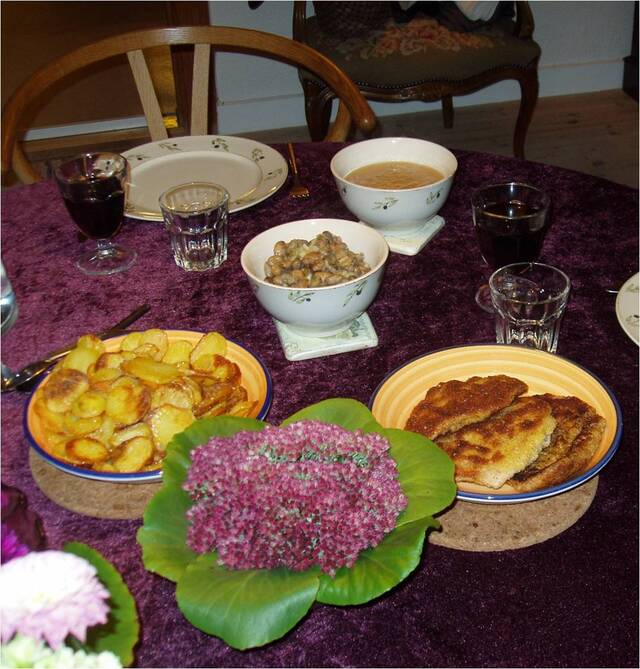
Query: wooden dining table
pixel 571 600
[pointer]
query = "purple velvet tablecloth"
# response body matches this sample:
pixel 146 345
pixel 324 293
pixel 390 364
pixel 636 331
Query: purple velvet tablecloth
pixel 570 601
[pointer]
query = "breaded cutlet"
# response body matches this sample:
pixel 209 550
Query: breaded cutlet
pixel 577 435
pixel 492 451
pixel 452 405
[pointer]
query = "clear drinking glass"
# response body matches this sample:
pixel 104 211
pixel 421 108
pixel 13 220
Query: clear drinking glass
pixel 8 302
pixel 511 221
pixel 196 216
pixel 529 301
pixel 93 189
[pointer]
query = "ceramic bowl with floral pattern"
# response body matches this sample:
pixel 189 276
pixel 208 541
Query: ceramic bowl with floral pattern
pixel 391 209
pixel 317 311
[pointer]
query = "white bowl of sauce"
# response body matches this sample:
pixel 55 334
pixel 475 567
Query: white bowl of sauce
pixel 394 184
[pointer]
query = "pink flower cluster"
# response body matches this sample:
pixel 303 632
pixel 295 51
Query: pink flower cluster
pixel 297 496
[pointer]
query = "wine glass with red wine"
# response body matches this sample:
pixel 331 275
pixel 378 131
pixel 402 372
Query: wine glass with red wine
pixel 511 221
pixel 93 190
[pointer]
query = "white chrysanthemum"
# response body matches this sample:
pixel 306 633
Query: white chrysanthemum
pixel 22 652
pixel 49 595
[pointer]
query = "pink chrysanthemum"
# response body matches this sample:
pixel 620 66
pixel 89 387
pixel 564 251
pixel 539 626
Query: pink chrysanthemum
pixel 49 595
pixel 303 495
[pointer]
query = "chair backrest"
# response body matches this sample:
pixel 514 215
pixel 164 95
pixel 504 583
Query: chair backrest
pixel 26 100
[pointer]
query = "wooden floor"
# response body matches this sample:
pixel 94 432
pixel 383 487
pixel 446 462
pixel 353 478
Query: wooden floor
pixel 595 133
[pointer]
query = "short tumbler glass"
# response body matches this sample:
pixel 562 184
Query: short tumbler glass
pixel 529 300
pixel 195 215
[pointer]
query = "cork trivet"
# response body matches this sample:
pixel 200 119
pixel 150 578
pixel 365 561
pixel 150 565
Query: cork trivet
pixel 470 526
pixel 91 498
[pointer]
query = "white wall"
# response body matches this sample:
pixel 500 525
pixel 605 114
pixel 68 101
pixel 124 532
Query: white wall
pixel 583 44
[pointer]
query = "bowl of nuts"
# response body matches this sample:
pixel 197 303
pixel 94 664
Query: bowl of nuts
pixel 316 275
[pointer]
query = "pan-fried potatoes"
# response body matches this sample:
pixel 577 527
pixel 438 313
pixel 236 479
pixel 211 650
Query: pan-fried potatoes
pixel 117 410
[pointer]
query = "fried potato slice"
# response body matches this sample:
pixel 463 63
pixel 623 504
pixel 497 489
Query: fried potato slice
pixel 130 432
pixel 158 339
pixel 85 450
pixel 166 421
pixel 79 427
pixel 134 455
pixel 213 343
pixel 178 351
pixel 81 359
pixel 105 430
pixel 110 360
pixel 131 341
pixel 150 370
pixel 52 421
pixel 63 388
pixel 101 379
pixel 127 403
pixel 174 393
pixel 242 409
pixel 89 404
pixel 147 351
pixel 92 342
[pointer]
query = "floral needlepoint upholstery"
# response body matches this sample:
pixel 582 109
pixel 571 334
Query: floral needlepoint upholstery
pixel 422 58
pixel 422 50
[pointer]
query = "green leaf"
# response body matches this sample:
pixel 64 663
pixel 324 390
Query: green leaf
pixel 425 473
pixel 378 569
pixel 250 608
pixel 120 633
pixel 350 414
pixel 246 608
pixel 163 537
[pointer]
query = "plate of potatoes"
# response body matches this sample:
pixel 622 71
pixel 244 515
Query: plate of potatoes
pixel 109 409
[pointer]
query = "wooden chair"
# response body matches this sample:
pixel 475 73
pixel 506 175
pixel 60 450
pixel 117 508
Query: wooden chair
pixel 21 107
pixel 419 60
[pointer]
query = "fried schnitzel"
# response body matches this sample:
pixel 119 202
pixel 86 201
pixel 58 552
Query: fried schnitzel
pixel 451 405
pixel 575 439
pixel 492 451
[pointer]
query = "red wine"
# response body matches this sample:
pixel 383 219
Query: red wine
pixel 96 207
pixel 504 241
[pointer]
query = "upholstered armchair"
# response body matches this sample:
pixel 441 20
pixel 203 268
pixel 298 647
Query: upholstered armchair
pixel 422 59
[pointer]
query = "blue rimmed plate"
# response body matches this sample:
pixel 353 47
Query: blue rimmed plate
pixel 256 379
pixel 393 400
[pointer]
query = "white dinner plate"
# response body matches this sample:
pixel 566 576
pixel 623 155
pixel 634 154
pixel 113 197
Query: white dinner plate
pixel 627 308
pixel 395 397
pixel 249 170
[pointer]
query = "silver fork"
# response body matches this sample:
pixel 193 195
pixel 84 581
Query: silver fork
pixel 297 189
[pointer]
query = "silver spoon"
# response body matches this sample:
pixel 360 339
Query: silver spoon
pixel 28 376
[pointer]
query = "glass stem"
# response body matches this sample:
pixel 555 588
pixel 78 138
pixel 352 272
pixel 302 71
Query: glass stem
pixel 104 245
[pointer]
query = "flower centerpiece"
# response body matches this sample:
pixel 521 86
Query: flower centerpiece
pixel 255 523
pixel 67 608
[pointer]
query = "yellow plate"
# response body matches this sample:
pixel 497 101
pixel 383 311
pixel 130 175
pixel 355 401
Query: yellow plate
pixel 394 399
pixel 255 379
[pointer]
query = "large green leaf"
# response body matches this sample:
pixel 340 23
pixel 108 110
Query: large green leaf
pixel 378 569
pixel 120 633
pixel 249 608
pixel 163 536
pixel 350 414
pixel 245 608
pixel 425 473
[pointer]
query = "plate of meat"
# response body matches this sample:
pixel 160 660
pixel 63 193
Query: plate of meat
pixel 518 423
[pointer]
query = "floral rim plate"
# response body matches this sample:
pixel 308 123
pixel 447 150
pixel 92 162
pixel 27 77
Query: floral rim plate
pixel 255 378
pixel 627 308
pixel 392 401
pixel 249 170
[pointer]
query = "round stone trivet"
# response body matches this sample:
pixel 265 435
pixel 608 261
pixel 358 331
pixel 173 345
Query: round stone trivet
pixel 469 526
pixel 122 501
